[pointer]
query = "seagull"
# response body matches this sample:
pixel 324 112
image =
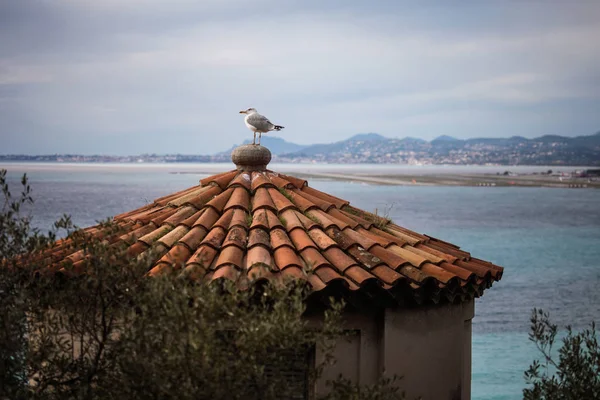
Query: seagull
pixel 258 123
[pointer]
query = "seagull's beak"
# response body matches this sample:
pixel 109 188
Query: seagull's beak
pixel 242 112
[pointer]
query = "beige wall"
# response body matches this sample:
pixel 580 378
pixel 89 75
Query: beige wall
pixel 429 346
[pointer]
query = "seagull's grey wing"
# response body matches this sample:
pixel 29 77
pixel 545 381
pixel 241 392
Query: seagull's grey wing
pixel 260 122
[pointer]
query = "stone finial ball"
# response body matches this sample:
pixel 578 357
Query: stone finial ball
pixel 251 157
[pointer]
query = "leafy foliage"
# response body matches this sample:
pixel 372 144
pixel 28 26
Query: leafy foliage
pixel 576 372
pixel 99 328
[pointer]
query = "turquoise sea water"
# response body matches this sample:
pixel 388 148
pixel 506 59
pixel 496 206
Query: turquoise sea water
pixel 548 240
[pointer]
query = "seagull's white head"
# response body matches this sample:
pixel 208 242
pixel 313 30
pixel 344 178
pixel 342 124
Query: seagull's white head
pixel 249 111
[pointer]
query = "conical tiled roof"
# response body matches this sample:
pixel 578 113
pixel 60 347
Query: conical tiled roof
pixel 255 224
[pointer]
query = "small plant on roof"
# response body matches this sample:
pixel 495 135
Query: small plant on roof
pixel 380 221
pixel 282 220
pixel 287 194
pixel 249 219
pixel 313 218
pixel 351 210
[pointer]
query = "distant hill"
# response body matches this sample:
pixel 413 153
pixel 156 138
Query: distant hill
pixel 445 138
pixel 351 144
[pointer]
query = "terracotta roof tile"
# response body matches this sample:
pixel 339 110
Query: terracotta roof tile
pixel 192 194
pixel 357 238
pixel 316 282
pixel 155 235
pixel 357 215
pixel 448 257
pixel 328 274
pixel 280 182
pixel 290 220
pixel 208 218
pixel 293 273
pixel 388 256
pixel 320 203
pixel 280 238
pixel 236 236
pixel 366 259
pixel 405 237
pixel 341 216
pixel 226 272
pixel 339 203
pixel 177 256
pixel 161 201
pixel 172 237
pixel 239 218
pixel 137 248
pixel 260 180
pixel 194 271
pixel 203 257
pixel 258 255
pixel 359 275
pixel 298 183
pixel 313 258
pixel 462 273
pixel 219 201
pixel 301 239
pixel 302 203
pixel 189 221
pixel 225 220
pixel 193 238
pixel 339 259
pixel 281 202
pixel 386 274
pixel 250 226
pixel 215 237
pixel 414 259
pixel 439 273
pixel 138 233
pixel 222 180
pixel 204 197
pixel 285 257
pixel 321 218
pixel 262 199
pixel 259 237
pixel 339 237
pixel 259 220
pixel 244 180
pixel 240 198
pixel 274 221
pixel 230 255
pixel 321 239
pixel 307 222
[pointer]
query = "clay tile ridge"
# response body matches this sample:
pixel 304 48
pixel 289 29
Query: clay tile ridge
pixel 237 221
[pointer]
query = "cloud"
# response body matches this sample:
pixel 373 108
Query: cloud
pixel 113 77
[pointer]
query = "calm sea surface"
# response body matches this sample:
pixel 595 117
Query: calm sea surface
pixel 548 240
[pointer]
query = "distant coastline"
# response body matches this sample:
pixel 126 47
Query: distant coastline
pixel 372 148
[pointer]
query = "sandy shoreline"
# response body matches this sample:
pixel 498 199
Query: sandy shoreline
pixel 486 176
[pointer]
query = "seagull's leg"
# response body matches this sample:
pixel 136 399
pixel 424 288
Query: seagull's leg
pixel 254 141
pixel 259 137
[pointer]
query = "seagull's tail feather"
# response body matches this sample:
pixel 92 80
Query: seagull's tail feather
pixel 277 127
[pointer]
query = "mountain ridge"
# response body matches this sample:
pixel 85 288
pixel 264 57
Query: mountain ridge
pixel 375 148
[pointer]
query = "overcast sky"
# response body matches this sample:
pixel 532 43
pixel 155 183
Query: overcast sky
pixel 133 76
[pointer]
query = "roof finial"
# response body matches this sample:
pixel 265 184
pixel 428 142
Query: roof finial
pixel 251 157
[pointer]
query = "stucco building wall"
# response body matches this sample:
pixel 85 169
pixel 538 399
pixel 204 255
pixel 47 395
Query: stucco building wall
pixel 430 347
